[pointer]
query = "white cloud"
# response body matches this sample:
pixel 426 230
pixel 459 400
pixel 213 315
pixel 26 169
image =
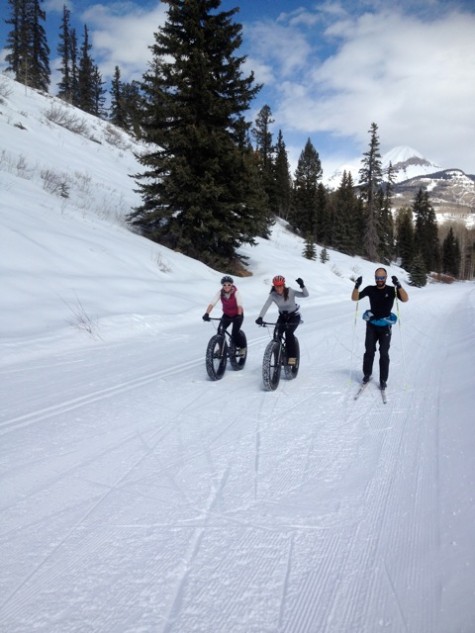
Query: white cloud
pixel 122 34
pixel 413 77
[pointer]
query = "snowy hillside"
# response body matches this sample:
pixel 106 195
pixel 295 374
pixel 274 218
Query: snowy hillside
pixel 139 496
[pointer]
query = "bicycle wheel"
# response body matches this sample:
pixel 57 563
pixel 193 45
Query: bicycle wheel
pixel 238 360
pixel 271 366
pixel 216 357
pixel 291 371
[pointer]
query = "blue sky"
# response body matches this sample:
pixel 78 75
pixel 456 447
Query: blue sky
pixel 329 69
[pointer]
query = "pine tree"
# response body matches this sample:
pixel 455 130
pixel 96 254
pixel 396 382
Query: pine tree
pixel 86 81
pixel 29 56
pixel 451 254
pixel 426 232
pixel 323 215
pixel 117 108
pixel 405 247
pixel 265 151
pixel 99 92
pixel 386 223
pixel 201 190
pixel 345 217
pixel 310 250
pixel 74 68
pixel 418 271
pixel 65 86
pixel 324 256
pixel 283 180
pixel 304 212
pixel 133 106
pixel 370 183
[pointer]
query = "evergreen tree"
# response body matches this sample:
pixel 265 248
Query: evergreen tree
pixel 65 51
pixel 86 80
pixel 426 232
pixel 386 223
pixel 265 151
pixel 418 271
pixel 310 250
pixel 133 106
pixel 283 180
pixel 117 108
pixel 29 52
pixel 451 254
pixel 370 183
pixel 345 217
pixel 324 256
pixel 201 190
pixel 303 217
pixel 99 92
pixel 405 247
pixel 323 215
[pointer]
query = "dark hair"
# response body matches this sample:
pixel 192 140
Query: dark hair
pixel 286 291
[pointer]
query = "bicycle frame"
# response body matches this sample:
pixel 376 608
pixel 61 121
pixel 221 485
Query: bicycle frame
pixel 221 348
pixel 275 357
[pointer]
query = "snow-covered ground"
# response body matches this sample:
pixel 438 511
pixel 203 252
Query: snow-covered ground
pixel 138 496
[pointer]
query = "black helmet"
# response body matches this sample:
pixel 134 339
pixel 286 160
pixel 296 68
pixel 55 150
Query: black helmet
pixel 227 280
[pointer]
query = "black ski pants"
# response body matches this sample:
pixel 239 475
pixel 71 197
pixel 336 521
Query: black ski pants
pixel 382 335
pixel 236 330
pixel 289 323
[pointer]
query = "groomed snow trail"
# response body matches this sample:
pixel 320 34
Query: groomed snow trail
pixel 138 496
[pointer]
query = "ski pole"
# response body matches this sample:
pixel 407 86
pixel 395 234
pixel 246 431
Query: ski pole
pixel 353 340
pixel 400 334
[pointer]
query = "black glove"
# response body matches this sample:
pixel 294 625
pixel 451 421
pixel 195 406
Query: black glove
pixel 396 281
pixel 259 321
pixel 206 317
pixel 358 282
pixel 300 282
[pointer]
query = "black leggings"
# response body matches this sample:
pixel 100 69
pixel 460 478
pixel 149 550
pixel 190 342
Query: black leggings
pixel 236 330
pixel 375 334
pixel 289 323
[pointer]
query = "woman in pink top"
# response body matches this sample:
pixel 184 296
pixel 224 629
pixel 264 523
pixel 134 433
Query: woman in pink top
pixel 233 311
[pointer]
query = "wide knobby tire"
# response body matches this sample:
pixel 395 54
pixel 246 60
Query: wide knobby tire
pixel 216 357
pixel 238 362
pixel 271 366
pixel 291 371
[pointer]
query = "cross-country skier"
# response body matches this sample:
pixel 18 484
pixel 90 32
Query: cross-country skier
pixel 379 320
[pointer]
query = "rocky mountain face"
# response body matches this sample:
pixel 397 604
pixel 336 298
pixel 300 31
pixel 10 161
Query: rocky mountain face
pixel 451 192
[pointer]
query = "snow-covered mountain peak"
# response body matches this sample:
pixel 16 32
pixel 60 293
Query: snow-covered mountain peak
pixel 408 163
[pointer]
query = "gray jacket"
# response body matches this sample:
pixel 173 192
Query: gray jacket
pixel 281 303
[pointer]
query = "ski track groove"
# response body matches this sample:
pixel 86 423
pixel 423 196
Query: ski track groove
pixel 77 525
pixel 190 556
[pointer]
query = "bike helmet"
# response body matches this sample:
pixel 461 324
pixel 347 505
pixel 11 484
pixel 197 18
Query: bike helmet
pixel 278 281
pixel 227 280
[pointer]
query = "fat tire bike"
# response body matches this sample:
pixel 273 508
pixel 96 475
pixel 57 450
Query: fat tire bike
pixel 220 348
pixel 275 358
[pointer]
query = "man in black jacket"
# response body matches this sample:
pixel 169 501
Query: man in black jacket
pixel 378 321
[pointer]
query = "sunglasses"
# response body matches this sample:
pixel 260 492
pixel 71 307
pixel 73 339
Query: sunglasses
pixel 380 278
